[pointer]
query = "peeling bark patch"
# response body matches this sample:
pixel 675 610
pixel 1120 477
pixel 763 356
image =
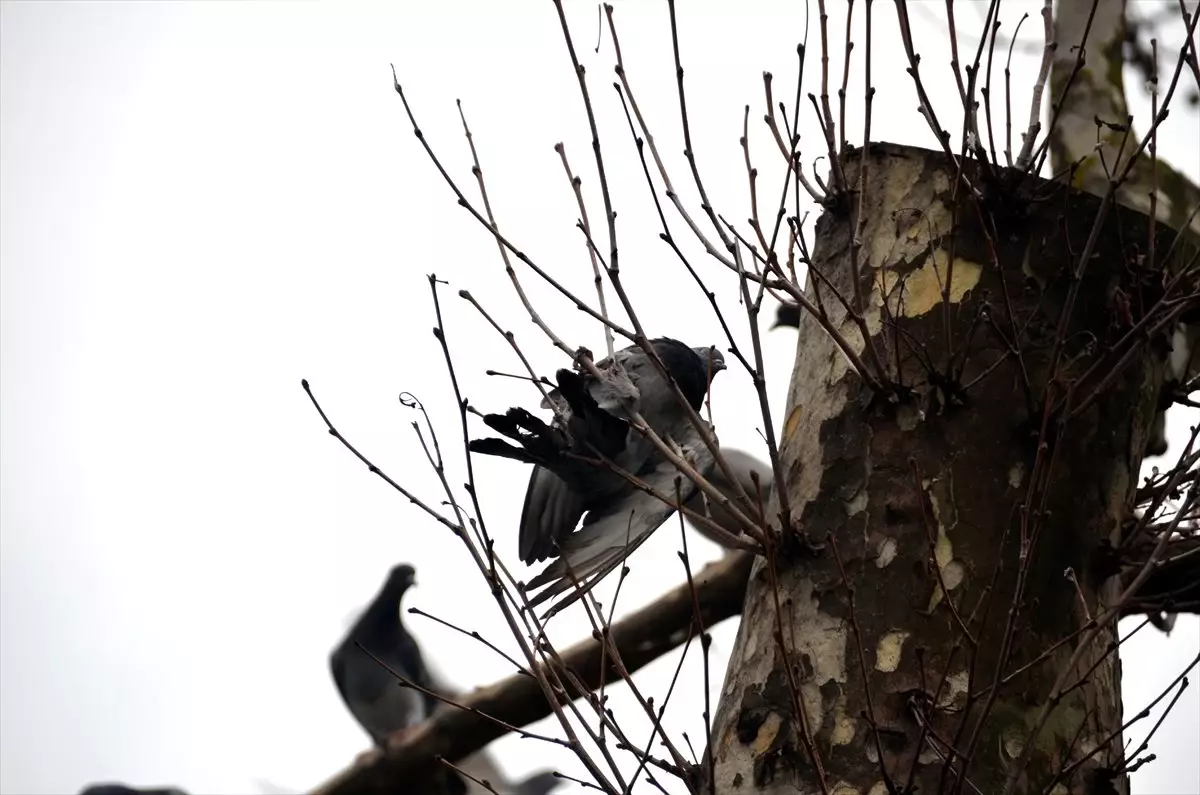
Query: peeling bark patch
pixel 792 422
pixel 941 503
pixel 856 504
pixel 878 788
pixel 844 727
pixel 918 292
pixel 768 732
pixel 888 649
pixel 842 788
pixel 886 553
pixel 955 692
pixel 953 574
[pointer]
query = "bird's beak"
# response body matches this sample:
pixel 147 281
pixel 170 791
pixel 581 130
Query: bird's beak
pixel 714 359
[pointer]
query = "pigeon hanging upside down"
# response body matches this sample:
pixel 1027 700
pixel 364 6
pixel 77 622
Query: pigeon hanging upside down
pixel 592 421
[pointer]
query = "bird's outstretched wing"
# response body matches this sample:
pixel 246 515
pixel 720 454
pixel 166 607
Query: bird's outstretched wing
pixel 592 412
pixel 561 487
pixel 610 534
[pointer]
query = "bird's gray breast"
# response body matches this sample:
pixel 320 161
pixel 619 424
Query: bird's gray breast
pixel 396 707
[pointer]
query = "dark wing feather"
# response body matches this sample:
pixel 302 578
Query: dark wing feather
pixel 561 488
pixel 620 527
pixel 551 511
pixel 591 411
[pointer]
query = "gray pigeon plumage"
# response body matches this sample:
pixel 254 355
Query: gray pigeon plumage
pixel 591 421
pixel 612 533
pixel 742 465
pixel 373 694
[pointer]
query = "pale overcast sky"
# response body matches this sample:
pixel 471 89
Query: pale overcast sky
pixel 203 203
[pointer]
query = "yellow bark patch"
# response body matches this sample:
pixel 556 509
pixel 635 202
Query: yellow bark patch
pixel 915 293
pixel 888 649
pixel 844 726
pixel 792 422
pixel 767 733
pixel 887 553
pixel 952 572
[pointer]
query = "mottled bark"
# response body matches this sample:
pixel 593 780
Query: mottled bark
pixel 923 494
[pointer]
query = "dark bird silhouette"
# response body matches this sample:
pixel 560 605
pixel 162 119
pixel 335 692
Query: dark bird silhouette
pixel 112 788
pixel 742 465
pixel 787 315
pixel 373 694
pixel 382 706
pixel 592 421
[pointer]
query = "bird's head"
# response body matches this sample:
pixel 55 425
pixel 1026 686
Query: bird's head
pixel 712 357
pixel 400 578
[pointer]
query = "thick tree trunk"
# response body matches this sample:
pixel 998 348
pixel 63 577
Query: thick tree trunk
pixel 958 500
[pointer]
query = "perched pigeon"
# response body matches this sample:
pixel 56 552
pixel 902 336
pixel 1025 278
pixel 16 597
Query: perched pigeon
pixel 382 707
pixel 787 314
pixel 591 422
pixel 374 694
pixel 121 789
pixel 742 464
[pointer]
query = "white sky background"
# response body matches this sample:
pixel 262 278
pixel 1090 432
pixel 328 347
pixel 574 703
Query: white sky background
pixel 203 203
